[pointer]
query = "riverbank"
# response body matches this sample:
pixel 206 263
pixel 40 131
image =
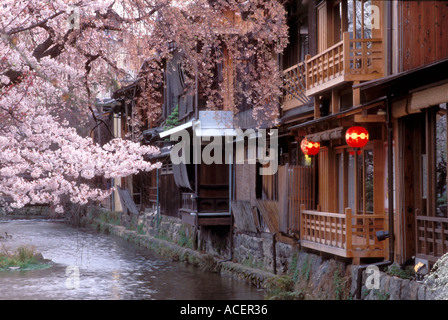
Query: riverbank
pixel 16 256
pixel 281 269
pixel 300 275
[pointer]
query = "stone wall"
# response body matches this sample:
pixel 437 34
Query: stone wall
pixel 256 251
pixel 318 276
pixel 391 288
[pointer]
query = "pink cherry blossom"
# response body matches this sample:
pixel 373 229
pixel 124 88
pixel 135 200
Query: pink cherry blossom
pixel 58 57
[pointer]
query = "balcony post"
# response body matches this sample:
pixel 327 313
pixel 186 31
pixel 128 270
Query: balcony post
pixel 301 222
pixel 346 49
pixel 348 230
pixel 308 72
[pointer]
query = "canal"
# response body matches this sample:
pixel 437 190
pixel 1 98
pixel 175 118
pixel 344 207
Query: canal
pixel 87 265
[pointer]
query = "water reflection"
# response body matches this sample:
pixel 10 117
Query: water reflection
pixel 108 268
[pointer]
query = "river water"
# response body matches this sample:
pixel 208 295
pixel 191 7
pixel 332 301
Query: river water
pixel 87 265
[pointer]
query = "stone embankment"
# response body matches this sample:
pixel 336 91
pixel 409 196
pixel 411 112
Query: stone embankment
pixel 299 274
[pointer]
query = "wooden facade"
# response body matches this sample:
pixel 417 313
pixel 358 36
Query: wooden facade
pixel 357 52
pixel 377 64
pixel 339 205
pixel 418 108
pixel 424 32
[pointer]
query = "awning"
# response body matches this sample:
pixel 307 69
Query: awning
pixel 327 135
pixel 215 124
pixel 181 175
pixel 405 82
pixel 176 129
pixel 342 114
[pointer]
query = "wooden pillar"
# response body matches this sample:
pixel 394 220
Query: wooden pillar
pixel 348 230
pixel 431 160
pixel 356 95
pixel 356 189
pixel 335 101
pixel 332 181
pixel 316 107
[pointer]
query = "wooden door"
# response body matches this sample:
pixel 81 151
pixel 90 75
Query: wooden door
pixel 414 194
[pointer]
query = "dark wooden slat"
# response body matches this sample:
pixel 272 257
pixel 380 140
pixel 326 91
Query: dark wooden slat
pixel 126 201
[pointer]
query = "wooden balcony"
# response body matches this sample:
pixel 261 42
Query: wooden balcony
pixel 347 60
pixel 345 235
pixel 216 210
pixel 294 84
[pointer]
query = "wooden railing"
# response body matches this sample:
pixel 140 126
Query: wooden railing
pixel 344 235
pixel 347 60
pixel 326 66
pixel 323 231
pixel 364 240
pixel 295 86
pixel 364 59
pixel 432 237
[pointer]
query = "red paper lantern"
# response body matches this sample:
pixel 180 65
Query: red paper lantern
pixel 352 153
pixel 357 137
pixel 309 148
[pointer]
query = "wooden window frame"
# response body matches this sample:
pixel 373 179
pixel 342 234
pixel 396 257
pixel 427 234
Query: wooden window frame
pixel 431 162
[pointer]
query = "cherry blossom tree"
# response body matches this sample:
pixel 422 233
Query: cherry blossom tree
pixel 58 57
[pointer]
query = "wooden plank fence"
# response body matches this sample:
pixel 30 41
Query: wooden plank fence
pixel 244 216
pixel 295 187
pixel 301 190
pixel 269 214
pixel 127 204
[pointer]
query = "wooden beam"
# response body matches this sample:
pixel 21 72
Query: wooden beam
pixel 316 107
pixel 319 87
pixel 324 248
pixel 335 101
pixel 214 221
pixel 370 118
pixel 356 95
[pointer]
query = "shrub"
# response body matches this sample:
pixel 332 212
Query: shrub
pixel 23 257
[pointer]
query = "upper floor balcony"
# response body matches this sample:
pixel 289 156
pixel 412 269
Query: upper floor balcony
pixel 350 60
pixel 295 87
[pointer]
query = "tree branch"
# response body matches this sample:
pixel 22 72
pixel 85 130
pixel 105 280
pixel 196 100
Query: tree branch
pixel 35 25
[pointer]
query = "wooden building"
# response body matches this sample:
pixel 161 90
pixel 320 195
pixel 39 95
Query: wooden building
pixel 416 92
pixel 380 65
